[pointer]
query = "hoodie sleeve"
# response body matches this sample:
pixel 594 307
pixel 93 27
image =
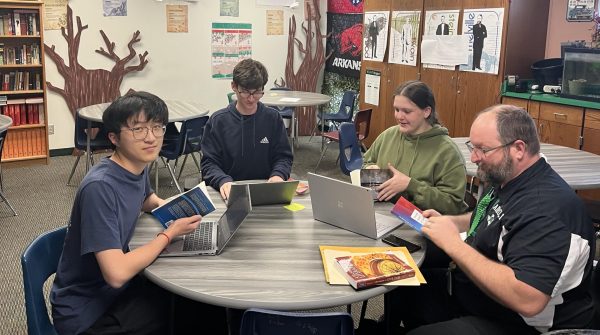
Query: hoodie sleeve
pixel 372 153
pixel 281 157
pixel 446 195
pixel 212 159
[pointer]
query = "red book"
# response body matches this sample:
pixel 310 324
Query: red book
pixel 23 110
pixel 368 270
pixel 30 118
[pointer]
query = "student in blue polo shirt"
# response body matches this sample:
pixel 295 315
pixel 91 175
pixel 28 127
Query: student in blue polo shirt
pixel 98 288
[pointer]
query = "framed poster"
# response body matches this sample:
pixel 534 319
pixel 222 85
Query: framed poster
pixel 580 10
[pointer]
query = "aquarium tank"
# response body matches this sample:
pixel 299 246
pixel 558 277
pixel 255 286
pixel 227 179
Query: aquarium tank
pixel 581 74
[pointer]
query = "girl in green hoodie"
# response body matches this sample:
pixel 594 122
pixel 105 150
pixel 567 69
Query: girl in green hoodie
pixel 428 168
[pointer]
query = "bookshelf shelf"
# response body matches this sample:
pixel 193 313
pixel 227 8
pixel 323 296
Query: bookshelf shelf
pixel 22 78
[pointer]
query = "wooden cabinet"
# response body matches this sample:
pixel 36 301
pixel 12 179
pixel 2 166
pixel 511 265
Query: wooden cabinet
pixel 591 143
pixel 23 88
pixel 560 124
pixel 459 95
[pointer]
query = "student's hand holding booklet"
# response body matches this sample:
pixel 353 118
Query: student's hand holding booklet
pixel 193 203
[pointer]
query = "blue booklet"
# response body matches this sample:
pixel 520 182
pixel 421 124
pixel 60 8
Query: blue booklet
pixel 193 202
pixel 409 213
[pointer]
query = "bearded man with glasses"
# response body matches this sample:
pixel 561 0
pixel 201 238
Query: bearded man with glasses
pixel 525 266
pixel 245 140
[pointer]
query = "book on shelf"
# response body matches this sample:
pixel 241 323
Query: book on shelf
pixel 334 276
pixel 196 201
pixel 373 178
pixel 409 214
pixel 368 270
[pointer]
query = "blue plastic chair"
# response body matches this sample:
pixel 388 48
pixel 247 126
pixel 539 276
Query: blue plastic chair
pixel 344 114
pixel 39 261
pixel 350 154
pixel 99 142
pixel 188 142
pixel 267 322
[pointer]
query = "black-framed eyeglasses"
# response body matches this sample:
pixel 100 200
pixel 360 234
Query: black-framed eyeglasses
pixel 479 151
pixel 140 133
pixel 257 94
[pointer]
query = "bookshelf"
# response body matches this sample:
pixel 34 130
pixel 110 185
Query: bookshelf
pixel 22 81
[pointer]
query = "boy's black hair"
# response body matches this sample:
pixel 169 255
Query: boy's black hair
pixel 250 74
pixel 117 115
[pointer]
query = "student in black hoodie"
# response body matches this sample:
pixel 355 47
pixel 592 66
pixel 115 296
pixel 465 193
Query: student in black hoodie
pixel 245 140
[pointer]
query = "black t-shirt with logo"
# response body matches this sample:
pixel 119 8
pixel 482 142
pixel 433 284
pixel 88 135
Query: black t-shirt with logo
pixel 537 226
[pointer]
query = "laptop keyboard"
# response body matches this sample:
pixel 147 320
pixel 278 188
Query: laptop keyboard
pixel 384 223
pixel 199 239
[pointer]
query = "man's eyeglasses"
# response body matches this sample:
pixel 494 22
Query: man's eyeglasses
pixel 479 151
pixel 246 94
pixel 140 133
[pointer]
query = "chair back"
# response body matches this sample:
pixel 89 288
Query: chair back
pixel 98 142
pixel 362 123
pixel 39 261
pixel 346 111
pixel 285 112
pixel 350 155
pixel 190 137
pixel 230 96
pixel 266 322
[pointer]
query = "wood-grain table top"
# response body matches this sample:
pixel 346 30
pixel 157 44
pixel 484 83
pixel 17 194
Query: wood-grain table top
pixel 273 261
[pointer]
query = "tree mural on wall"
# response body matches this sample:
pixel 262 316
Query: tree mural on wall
pixel 312 52
pixel 84 87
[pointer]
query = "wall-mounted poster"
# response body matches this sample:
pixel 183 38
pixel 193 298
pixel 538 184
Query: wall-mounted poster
pixel 484 29
pixel 444 23
pixel 114 7
pixel 177 18
pixel 55 14
pixel 229 8
pixel 344 43
pixel 375 27
pixel 404 34
pixel 231 43
pixel 580 10
pixel 274 22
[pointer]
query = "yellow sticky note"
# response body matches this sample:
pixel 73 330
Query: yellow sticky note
pixel 294 207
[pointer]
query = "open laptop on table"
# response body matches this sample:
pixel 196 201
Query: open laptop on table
pixel 265 193
pixel 348 206
pixel 211 237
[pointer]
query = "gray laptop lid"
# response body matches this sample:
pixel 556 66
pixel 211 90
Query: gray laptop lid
pixel 346 206
pixel 239 207
pixel 265 193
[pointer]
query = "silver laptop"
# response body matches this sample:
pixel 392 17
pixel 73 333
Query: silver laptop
pixel 211 237
pixel 347 206
pixel 265 193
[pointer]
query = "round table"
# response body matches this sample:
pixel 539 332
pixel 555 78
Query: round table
pixel 580 169
pixel 273 261
pixel 277 98
pixel 178 111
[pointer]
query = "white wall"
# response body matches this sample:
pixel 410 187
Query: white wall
pixel 178 63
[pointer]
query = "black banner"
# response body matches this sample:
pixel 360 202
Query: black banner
pixel 345 40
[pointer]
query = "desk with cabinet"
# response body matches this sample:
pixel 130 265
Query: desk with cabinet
pixel 562 121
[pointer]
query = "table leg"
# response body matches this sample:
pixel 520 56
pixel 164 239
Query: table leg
pixel 88 157
pixel 234 320
pixel 321 112
pixel 387 312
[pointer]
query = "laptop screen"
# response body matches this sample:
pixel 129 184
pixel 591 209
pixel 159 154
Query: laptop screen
pixel 238 208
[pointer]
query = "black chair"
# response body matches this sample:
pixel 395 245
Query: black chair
pixel 267 322
pixel 39 261
pixel 344 114
pixel 188 142
pixel 99 142
pixel 2 196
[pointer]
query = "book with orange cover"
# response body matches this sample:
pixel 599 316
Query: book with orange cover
pixel 363 271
